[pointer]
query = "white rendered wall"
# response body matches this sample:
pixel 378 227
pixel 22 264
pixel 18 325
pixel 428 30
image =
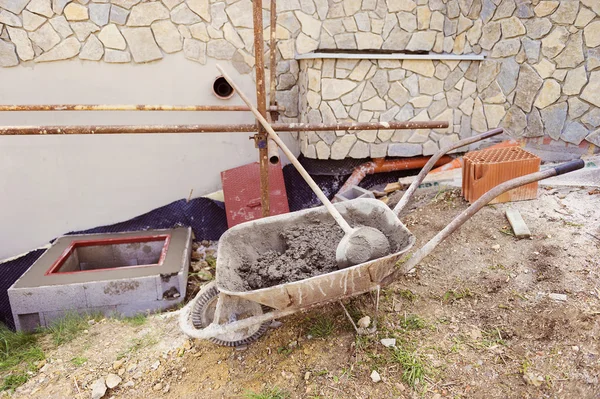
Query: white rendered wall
pixel 50 185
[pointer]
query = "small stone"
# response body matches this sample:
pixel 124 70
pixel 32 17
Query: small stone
pixel 116 56
pixel 195 50
pixel 506 48
pixel 558 297
pixel 527 87
pixel 92 50
pixel 421 41
pixel 111 37
pixel 41 7
pixel 155 365
pixel 555 42
pixel 240 14
pixel 98 388
pixel 118 15
pixel 375 377
pixel 145 13
pixel 157 387
pixel 117 364
pixel 532 379
pixel 8 55
pixel 591 92
pixel 99 13
pixel 574 132
pixel 554 119
pixel 592 34
pixel 200 7
pixel 32 21
pixel 167 36
pixel 566 12
pixel 62 51
pixel 388 342
pixel 20 39
pixel 496 247
pixel 364 322
pixel 76 12
pixel 142 45
pixel 549 94
pixel 576 79
pixel 545 8
pixel 61 25
pixel 183 15
pixel 113 380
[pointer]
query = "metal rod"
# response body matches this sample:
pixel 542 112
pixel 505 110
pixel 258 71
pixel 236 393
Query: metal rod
pixel 208 128
pixel 432 161
pixel 261 103
pixel 126 107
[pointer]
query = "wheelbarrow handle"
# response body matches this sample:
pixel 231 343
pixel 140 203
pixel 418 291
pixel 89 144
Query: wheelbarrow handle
pixel 421 253
pixel 433 160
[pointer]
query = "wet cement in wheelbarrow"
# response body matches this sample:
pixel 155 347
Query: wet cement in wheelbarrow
pixel 309 251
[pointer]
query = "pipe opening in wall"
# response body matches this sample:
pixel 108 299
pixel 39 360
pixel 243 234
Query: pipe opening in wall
pixel 222 88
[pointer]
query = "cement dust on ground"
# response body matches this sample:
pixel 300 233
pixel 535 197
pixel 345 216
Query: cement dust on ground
pixel 476 321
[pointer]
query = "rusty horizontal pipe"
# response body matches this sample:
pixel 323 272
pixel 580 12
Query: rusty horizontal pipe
pixel 220 128
pixel 128 107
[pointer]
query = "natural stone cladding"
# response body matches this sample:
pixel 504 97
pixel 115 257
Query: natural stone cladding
pixel 540 75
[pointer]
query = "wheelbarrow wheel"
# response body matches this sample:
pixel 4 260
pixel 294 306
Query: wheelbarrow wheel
pixel 203 313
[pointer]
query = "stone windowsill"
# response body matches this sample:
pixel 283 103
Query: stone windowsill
pixel 390 56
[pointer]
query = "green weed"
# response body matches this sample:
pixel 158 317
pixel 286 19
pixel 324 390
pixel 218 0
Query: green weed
pixel 268 393
pixel 78 361
pixel 13 381
pixel 412 322
pixel 137 320
pixel 408 295
pixel 67 328
pixel 322 327
pixel 452 295
pixel 136 345
pixel 413 366
pixel 18 354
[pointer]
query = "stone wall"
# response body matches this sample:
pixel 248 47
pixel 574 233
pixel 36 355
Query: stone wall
pixel 540 75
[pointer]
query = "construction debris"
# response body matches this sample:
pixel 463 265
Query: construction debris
pixel 517 223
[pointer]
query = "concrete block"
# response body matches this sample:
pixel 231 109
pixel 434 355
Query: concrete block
pixel 124 273
pixel 353 193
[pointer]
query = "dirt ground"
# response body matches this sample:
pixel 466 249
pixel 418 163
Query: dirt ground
pixel 475 321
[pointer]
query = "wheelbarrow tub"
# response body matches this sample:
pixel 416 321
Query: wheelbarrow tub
pixel 246 241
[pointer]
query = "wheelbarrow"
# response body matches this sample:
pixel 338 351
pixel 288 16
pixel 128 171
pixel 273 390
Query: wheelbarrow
pixel 229 313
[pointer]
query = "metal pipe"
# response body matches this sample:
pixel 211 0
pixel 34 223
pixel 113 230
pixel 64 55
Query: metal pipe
pixel 127 107
pixel 457 163
pixel 381 165
pixel 409 265
pixel 272 147
pixel 205 128
pixel 261 104
pixel 433 160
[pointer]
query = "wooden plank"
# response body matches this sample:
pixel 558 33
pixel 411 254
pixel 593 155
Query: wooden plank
pixel 391 187
pixel 517 223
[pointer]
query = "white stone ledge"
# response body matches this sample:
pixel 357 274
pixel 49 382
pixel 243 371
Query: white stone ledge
pixel 391 56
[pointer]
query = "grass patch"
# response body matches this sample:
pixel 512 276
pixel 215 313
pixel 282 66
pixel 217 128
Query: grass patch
pixel 408 295
pixel 79 361
pixel 137 320
pixel 452 295
pixel 268 393
pixel 136 345
pixel 18 354
pixel 412 322
pixel 413 366
pixel 13 381
pixel 321 327
pixel 507 231
pixel 68 328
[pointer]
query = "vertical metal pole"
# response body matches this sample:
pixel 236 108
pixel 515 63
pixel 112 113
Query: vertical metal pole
pixel 273 149
pixel 261 101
